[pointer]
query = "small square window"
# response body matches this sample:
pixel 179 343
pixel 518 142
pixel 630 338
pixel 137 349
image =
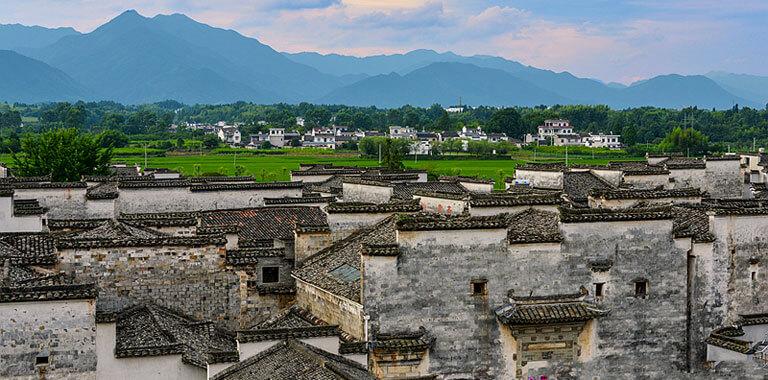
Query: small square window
pixel 270 275
pixel 754 275
pixel 479 287
pixel 41 360
pixel 598 289
pixel 641 289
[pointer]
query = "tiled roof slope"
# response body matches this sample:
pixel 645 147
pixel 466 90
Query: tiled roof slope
pixel 28 248
pixel 645 194
pixel 293 360
pixel 619 215
pixel 549 309
pixel 512 199
pixel 578 184
pixel 726 337
pixel 692 222
pixel 316 268
pixel 426 222
pixel 405 190
pixel 361 207
pixel 534 226
pixel 265 223
pixel 151 330
pixel 104 190
pixel 27 207
pixel 20 283
pixel 112 233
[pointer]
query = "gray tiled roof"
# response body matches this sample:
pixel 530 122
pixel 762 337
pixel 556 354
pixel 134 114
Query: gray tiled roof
pixel 293 360
pixel 512 199
pixel 360 207
pixel 103 190
pixel 425 222
pixel 113 233
pixel 578 184
pixel 692 222
pixel 607 215
pixel 346 251
pixel 405 190
pixel 28 248
pixel 644 194
pixel 27 207
pixel 549 309
pixel 265 223
pixel 19 283
pixel 534 226
pixel 151 330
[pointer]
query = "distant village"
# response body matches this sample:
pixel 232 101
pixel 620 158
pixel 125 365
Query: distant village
pixel 553 132
pixel 645 269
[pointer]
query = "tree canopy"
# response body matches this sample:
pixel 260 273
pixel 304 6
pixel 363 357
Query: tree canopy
pixel 507 121
pixel 65 154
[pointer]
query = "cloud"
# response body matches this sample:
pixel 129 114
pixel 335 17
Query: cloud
pixel 427 15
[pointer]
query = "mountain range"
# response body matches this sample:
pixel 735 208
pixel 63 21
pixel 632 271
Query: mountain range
pixel 135 59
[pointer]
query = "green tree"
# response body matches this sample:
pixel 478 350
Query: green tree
pixel 295 143
pixel 343 118
pixel 113 138
pixel 507 121
pixel 65 154
pixel 179 143
pixel 444 123
pixel 266 145
pixel 685 141
pixel 629 135
pixel 411 119
pixel 75 117
pixel 391 157
pixel 211 141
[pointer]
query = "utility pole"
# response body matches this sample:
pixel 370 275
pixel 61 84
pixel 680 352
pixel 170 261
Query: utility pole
pixel 753 143
pixel 235 163
pixel 379 154
pixel 566 154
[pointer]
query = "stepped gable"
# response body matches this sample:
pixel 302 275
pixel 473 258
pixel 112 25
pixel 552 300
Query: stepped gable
pixel 104 190
pixel 264 223
pixel 577 184
pixel 294 360
pixel 28 248
pixel 692 222
pixel 644 194
pixel 249 178
pixel 728 338
pixel 332 185
pixel 152 330
pixel 74 224
pixel 534 226
pixel 159 183
pixel 50 185
pixel 619 215
pixel 637 168
pixel 515 199
pixel 542 166
pixel 427 222
pixel 20 283
pixel 361 207
pixel 27 207
pixel 543 310
pixel 461 178
pixel 405 190
pixel 318 269
pixel 298 200
pixel 245 186
pixel 684 163
pixel 250 256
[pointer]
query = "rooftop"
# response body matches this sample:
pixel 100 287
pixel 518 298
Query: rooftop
pixel 264 223
pixel 549 309
pixel 534 226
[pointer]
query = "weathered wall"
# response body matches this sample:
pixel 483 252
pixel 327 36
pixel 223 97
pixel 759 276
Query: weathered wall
pixel 626 203
pixel 612 176
pixel 331 308
pixel 541 179
pixel 343 224
pixel 166 367
pixel 644 338
pixel 67 329
pixel 647 181
pixel 191 280
pixel 355 192
pixel 688 178
pixel 442 205
pixel 309 243
pixel 723 178
pixel 17 223
pixel 478 187
pixel 62 203
pixel 315 178
pixel 150 199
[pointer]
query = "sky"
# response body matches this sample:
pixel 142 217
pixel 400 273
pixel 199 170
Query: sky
pixel 610 40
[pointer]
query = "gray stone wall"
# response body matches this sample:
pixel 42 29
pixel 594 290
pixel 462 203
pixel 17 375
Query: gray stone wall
pixel 135 200
pixel 429 285
pixel 355 192
pixel 541 179
pixel 192 280
pixel 724 179
pixel 343 224
pixel 331 308
pixel 64 330
pixel 647 181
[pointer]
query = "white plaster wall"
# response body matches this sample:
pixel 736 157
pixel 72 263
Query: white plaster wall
pixel 100 208
pixel 754 333
pixel 612 176
pixel 253 348
pixel 650 181
pixel 688 178
pixel 495 210
pixel 541 179
pixel 328 343
pixel 21 223
pixel 213 369
pixel 362 359
pixel 136 200
pixel 354 192
pixel 468 238
pixel 61 203
pixel 724 178
pixel 168 367
pixel 624 203
pixel 442 205
pixel 343 224
pixel 655 160
pixel 478 187
pixel 719 354
pixel 310 178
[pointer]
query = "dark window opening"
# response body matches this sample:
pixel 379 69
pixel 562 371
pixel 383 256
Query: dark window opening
pixel 641 289
pixel 41 360
pixel 754 276
pixel 599 289
pixel 270 275
pixel 479 287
